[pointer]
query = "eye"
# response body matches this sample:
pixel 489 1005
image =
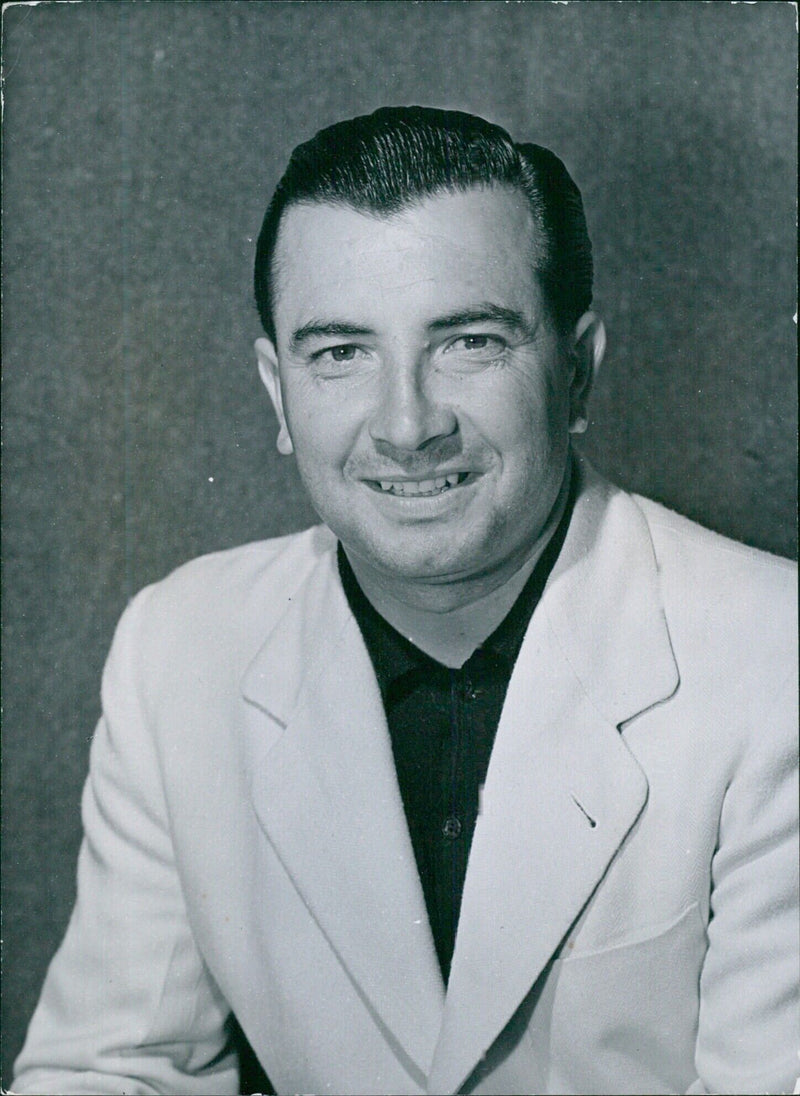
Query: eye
pixel 343 360
pixel 339 354
pixel 345 354
pixel 476 350
pixel 474 342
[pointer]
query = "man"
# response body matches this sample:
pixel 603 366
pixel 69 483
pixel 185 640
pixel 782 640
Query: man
pixel 487 784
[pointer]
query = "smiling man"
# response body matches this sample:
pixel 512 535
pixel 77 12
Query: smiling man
pixel 435 439
pixel 488 783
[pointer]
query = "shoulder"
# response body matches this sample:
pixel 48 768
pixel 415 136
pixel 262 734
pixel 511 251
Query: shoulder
pixel 698 567
pixel 240 573
pixel 224 603
pixel 697 556
pixel 729 607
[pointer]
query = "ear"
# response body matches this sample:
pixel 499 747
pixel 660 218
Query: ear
pixel 588 347
pixel 270 377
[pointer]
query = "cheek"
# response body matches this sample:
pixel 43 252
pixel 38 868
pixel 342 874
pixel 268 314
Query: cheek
pixel 323 430
pixel 527 411
pixel 544 400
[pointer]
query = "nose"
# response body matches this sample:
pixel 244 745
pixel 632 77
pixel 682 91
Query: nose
pixel 406 417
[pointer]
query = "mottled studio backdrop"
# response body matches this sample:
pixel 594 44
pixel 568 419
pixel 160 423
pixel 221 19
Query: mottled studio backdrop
pixel 141 144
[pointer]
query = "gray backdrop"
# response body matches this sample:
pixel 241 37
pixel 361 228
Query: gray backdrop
pixel 141 144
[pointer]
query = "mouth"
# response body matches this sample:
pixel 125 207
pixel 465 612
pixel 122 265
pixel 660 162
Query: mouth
pixel 413 488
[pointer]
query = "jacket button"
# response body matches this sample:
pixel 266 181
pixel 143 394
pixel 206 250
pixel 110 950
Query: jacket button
pixel 451 828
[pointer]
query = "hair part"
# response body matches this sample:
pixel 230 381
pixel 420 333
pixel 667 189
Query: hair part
pixel 383 162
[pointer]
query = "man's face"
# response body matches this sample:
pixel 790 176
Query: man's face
pixel 421 383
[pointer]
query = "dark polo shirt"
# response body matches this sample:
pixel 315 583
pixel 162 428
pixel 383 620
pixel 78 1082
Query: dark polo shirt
pixel 442 724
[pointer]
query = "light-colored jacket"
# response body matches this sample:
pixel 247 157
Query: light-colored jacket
pixel 629 918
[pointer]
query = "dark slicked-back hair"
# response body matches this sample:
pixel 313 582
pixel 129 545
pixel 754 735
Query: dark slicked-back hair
pixel 384 162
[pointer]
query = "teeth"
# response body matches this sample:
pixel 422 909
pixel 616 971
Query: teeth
pixel 414 488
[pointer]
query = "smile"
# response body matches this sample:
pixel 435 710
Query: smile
pixel 419 488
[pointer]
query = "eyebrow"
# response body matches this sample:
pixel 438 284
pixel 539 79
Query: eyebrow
pixel 325 330
pixel 484 313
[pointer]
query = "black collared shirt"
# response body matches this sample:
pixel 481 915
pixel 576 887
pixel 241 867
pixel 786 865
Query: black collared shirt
pixel 442 724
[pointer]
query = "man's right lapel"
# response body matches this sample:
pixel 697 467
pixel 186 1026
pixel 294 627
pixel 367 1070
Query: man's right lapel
pixel 325 791
pixel 563 789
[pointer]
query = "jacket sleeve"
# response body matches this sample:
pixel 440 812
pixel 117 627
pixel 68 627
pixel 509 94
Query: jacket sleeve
pixel 748 1024
pixel 128 1005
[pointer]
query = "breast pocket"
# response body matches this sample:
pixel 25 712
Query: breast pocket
pixel 624 1018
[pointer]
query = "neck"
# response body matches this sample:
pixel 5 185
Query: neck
pixel 448 621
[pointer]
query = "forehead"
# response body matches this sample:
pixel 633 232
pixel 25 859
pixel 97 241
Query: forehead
pixel 440 253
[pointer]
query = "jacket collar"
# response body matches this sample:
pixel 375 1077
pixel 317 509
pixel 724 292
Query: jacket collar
pixel 604 605
pixel 561 794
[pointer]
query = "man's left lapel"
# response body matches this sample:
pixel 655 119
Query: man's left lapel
pixel 563 790
pixel 325 791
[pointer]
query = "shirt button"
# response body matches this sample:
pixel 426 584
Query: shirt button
pixel 451 828
pixel 471 692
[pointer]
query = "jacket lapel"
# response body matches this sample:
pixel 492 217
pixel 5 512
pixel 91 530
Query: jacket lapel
pixel 325 791
pixel 562 790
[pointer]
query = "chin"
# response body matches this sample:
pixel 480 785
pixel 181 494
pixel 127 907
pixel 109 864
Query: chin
pixel 424 560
